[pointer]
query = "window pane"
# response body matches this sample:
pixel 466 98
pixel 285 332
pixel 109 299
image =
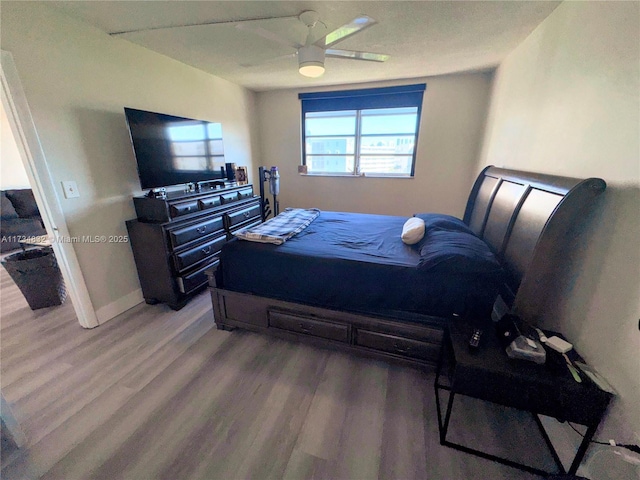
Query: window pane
pixel 330 164
pixel 214 130
pixel 386 164
pixel 330 145
pixel 330 123
pixel 180 132
pixel 216 162
pixel 390 144
pixel 389 111
pixel 188 148
pixel 215 147
pixel 191 163
pixel 391 120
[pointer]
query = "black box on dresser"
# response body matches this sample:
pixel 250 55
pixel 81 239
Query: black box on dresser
pixel 175 239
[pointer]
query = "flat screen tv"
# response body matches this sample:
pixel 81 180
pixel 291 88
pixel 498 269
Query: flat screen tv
pixel 172 150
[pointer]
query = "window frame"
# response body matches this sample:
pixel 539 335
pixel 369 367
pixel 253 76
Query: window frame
pixel 359 100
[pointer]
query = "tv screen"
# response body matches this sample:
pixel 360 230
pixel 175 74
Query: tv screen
pixel 173 150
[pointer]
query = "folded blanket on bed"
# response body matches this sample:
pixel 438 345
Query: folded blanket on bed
pixel 281 228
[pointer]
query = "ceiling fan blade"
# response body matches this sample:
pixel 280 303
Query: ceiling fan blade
pixel 200 24
pixel 371 57
pixel 354 26
pixel 268 60
pixel 249 27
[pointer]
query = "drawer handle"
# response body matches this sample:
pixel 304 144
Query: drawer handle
pixel 305 328
pixel 246 214
pixel 201 229
pixel 206 250
pixel 401 349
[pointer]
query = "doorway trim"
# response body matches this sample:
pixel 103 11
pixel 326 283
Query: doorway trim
pixel 44 189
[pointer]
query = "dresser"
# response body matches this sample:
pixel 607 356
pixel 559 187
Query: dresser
pixel 175 239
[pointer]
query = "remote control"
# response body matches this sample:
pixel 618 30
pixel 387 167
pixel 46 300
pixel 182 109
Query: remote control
pixel 474 341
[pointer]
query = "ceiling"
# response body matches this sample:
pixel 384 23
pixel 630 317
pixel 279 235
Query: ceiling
pixel 424 38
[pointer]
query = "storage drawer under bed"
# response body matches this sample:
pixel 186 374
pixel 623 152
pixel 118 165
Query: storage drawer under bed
pixel 315 327
pixel 406 347
pixel 414 343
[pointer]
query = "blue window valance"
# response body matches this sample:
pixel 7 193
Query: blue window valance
pixel 384 97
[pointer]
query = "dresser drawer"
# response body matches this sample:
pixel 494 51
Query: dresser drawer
pixel 186 234
pixel 195 279
pixel 245 193
pixel 209 202
pixel 240 216
pixel 314 327
pixel 229 197
pixel 183 208
pixel 397 345
pixel 194 255
pixel 249 224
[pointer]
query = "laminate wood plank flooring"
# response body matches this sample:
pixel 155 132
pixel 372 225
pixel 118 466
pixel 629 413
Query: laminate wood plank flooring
pixel 158 394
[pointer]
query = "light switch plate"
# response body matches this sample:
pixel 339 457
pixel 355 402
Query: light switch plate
pixel 70 189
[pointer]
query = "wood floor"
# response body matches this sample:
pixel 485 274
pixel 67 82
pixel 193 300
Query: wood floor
pixel 161 394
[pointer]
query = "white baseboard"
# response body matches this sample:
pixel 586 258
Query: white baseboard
pixel 123 304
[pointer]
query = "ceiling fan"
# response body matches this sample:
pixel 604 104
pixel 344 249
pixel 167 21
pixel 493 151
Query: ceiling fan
pixel 311 55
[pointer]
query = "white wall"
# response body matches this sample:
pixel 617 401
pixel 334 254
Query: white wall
pixel 566 102
pixel 453 116
pixel 12 172
pixel 77 81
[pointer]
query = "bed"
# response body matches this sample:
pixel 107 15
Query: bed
pixel 348 281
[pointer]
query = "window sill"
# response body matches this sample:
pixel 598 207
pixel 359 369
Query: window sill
pixel 407 177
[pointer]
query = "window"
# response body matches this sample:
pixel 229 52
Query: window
pixel 195 145
pixel 355 132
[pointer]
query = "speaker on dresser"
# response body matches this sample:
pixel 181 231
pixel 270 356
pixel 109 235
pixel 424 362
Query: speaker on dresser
pixel 231 171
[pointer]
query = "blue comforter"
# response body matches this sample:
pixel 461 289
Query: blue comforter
pixel 354 262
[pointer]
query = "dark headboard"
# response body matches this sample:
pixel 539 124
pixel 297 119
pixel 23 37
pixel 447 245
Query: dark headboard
pixel 525 218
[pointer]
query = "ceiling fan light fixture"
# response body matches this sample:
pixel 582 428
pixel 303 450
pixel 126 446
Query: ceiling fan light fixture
pixel 311 69
pixel 311 61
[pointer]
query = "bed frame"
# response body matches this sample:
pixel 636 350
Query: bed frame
pixel 524 217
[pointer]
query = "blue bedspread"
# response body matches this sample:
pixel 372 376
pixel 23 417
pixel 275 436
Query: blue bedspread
pixel 354 262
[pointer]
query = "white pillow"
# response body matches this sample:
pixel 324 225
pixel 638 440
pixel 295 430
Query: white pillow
pixel 413 231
